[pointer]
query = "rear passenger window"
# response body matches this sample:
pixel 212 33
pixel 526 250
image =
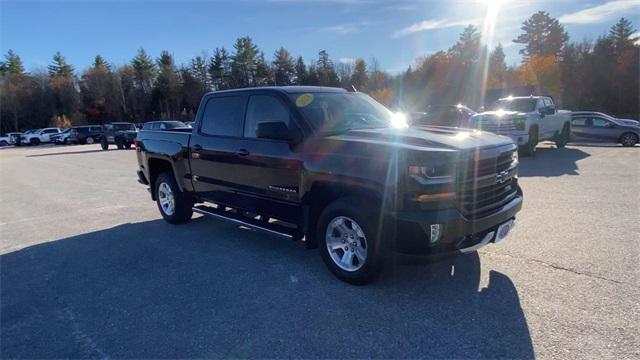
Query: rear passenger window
pixel 579 122
pixel 263 108
pixel 222 116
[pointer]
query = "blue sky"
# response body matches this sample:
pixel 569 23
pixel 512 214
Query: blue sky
pixel 393 32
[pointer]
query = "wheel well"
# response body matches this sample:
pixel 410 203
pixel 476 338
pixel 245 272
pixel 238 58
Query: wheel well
pixel 628 132
pixel 323 194
pixel 157 167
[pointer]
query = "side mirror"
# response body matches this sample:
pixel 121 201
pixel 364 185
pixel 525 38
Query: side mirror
pixel 277 130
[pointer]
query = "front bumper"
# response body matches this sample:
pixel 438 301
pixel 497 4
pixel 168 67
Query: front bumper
pixel 519 138
pixel 458 233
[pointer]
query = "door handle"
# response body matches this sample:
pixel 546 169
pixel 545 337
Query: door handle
pixel 242 152
pixel 197 147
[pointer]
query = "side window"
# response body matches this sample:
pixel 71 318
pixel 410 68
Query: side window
pixel 540 104
pixel 50 131
pixel 579 122
pixel 222 116
pixel 263 108
pixel 600 123
pixel 146 126
pixel 156 126
pixel 95 129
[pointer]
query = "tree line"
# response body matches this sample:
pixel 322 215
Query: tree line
pixel 600 75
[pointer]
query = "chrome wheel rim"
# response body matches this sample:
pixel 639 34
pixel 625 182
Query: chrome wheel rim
pixel 346 243
pixel 89 140
pixel 166 199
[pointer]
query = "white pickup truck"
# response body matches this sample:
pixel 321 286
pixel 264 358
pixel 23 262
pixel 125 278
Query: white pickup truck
pixel 527 121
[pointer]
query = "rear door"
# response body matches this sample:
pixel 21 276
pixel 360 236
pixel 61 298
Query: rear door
pixel 549 121
pixel 579 127
pixel 214 147
pixel 270 179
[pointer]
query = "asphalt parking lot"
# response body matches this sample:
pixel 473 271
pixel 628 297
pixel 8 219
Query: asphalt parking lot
pixel 89 269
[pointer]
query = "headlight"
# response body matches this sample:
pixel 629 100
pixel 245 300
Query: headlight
pixel 514 158
pixel 432 172
pixel 520 123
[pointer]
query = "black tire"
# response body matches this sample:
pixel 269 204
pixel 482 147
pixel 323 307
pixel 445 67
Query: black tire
pixel 35 141
pixel 4 143
pixel 89 140
pixel 104 144
pixel 629 139
pixel 119 144
pixel 563 138
pixel 529 149
pixel 354 209
pixel 126 145
pixel 182 202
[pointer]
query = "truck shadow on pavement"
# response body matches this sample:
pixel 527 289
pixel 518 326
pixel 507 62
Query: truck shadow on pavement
pixel 550 162
pixel 209 289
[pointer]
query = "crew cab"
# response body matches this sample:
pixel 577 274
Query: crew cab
pixel 527 121
pixel 336 169
pixel 39 136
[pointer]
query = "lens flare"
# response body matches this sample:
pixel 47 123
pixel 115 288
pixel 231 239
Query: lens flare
pixel 399 120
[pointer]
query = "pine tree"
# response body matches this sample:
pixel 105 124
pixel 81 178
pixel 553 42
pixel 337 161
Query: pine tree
pixel 621 35
pixel 165 92
pixel 198 70
pixel 283 67
pixel 326 72
pixel 100 62
pixel 497 68
pixel 359 79
pixel 60 67
pixel 301 72
pixel 219 69
pixel 243 65
pixel 12 64
pixel 543 35
pixel 145 71
pixel 467 49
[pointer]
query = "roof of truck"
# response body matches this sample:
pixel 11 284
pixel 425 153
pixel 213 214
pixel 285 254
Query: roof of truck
pixel 287 89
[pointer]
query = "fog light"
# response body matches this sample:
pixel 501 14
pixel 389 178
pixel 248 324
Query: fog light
pixel 434 234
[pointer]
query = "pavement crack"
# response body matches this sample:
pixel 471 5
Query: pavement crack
pixel 558 267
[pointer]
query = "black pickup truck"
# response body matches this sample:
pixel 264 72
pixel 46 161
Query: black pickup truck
pixel 337 169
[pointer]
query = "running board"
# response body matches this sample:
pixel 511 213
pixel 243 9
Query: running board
pixel 257 225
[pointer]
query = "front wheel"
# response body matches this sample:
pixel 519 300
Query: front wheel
pixel 175 206
pixel 89 140
pixel 104 145
pixel 529 149
pixel 35 141
pixel 629 139
pixel 349 241
pixel 563 138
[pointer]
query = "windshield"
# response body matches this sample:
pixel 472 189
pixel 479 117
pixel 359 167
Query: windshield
pixel 124 126
pixel 342 111
pixel 174 124
pixel 519 105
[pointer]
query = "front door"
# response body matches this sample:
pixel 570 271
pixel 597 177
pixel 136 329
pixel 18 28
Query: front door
pixel 272 171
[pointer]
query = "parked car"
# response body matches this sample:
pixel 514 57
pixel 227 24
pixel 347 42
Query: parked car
pixel 443 115
pixel 163 125
pixel 87 134
pixel 56 138
pixel 329 165
pixel 122 134
pixel 599 127
pixel 18 140
pixel 527 121
pixel 10 138
pixel 39 136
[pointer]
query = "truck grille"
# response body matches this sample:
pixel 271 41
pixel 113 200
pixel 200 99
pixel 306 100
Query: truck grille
pixel 484 188
pixel 494 124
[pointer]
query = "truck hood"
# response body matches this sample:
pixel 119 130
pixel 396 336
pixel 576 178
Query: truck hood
pixel 424 137
pixel 498 114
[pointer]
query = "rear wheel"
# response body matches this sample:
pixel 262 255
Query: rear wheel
pixel 563 138
pixel 529 149
pixel 349 241
pixel 629 139
pixel 104 144
pixel 126 145
pixel 89 140
pixel 175 206
pixel 35 141
pixel 4 143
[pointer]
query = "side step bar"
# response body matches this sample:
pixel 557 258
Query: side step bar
pixel 257 225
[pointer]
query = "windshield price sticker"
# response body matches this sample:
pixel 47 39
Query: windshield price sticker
pixel 304 100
